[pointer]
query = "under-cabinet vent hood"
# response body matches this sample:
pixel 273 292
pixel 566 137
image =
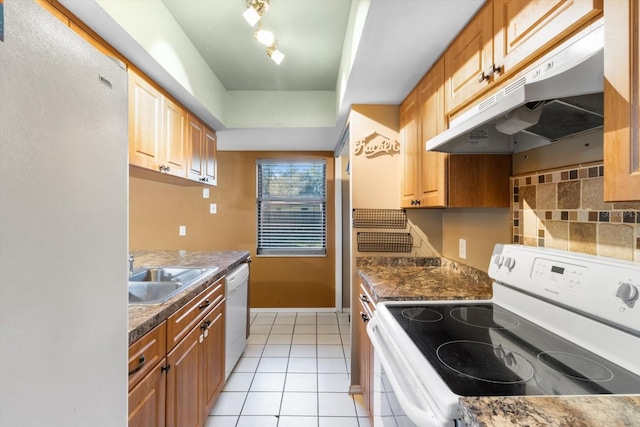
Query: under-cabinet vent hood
pixel 561 96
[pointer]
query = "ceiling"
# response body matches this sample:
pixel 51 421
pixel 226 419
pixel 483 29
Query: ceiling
pixel 338 53
pixel 309 32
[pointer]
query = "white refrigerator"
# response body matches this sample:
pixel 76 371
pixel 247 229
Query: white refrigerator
pixel 63 226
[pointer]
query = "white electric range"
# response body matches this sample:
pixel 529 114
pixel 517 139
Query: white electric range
pixel 559 323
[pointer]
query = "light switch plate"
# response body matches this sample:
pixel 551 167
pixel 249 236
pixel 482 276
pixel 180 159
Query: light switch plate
pixel 182 231
pixel 462 248
pixel 213 208
pixel 205 193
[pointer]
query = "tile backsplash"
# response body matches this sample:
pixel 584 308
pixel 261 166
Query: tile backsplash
pixel 564 209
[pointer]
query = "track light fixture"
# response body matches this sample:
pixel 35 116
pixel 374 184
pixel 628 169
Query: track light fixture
pixel 263 36
pixel 255 10
pixel 275 55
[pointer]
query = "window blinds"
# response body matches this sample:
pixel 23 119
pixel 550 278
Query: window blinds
pixel 292 207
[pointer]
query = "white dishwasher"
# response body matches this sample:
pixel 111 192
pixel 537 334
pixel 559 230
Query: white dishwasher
pixel 236 287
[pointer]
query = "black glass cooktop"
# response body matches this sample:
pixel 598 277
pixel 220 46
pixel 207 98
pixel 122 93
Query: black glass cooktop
pixel 485 350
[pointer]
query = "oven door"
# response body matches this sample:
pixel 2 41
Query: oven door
pixel 400 399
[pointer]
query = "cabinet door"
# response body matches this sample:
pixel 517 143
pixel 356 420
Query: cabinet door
pixel 195 141
pixel 432 170
pixel 479 180
pixel 213 357
pixel 409 141
pixel 622 101
pixel 145 123
pixel 525 28
pixel 211 157
pixel 467 58
pixel 184 406
pixel 174 139
pixel 147 399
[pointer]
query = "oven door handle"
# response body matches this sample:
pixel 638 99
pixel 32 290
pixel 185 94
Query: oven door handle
pixel 411 394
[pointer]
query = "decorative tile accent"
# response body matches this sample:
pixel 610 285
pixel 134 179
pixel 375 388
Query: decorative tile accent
pixel 546 196
pixel 528 197
pixel 593 195
pixel 569 195
pixel 564 209
pixel 582 237
pixel 615 241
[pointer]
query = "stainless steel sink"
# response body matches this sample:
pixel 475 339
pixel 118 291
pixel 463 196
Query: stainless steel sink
pixel 155 285
pixel 152 292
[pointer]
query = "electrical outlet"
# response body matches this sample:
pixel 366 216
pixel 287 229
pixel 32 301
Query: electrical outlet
pixel 182 231
pixel 462 249
pixel 213 208
pixel 205 193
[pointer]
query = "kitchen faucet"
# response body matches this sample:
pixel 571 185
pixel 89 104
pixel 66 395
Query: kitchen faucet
pixel 131 260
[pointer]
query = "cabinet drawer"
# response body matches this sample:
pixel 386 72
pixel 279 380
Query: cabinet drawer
pixel 182 321
pixel 146 353
pixel 366 300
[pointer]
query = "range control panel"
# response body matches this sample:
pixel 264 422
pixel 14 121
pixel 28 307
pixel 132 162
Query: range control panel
pixel 598 287
pixel 558 274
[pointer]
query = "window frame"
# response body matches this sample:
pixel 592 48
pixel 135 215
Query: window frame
pixel 316 251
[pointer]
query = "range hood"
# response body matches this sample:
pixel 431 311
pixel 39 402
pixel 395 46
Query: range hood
pixel 559 97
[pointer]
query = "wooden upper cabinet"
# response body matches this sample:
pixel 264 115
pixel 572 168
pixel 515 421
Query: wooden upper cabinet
pixel 174 140
pixel 409 149
pixel 195 136
pixel 145 123
pixel 202 162
pixel 469 59
pixel 431 121
pixel 622 101
pixel 525 28
pixel 211 157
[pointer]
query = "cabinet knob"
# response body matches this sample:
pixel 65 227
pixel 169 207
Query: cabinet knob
pixel 203 179
pixel 165 368
pixel 205 325
pixel 365 318
pixel 205 304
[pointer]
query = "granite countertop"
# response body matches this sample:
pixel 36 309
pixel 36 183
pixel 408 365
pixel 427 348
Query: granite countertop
pixel 404 279
pixel 556 411
pixel 143 318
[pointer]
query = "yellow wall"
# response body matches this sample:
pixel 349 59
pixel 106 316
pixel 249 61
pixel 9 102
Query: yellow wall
pixel 157 209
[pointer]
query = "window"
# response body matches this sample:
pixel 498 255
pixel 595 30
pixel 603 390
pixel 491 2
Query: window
pixel 292 207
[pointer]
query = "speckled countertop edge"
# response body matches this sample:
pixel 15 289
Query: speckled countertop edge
pixel 553 411
pixel 143 318
pixel 422 279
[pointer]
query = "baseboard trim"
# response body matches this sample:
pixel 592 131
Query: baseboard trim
pixel 295 310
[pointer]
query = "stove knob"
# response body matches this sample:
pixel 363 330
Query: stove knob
pixel 627 292
pixel 510 263
pixel 498 260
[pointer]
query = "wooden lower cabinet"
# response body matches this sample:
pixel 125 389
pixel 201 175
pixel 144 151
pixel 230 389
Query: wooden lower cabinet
pixel 213 358
pixel 196 376
pixel 180 390
pixel 147 399
pixel 184 382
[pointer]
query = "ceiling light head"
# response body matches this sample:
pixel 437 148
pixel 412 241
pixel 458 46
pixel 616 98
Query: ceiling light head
pixel 255 10
pixel 265 37
pixel 275 55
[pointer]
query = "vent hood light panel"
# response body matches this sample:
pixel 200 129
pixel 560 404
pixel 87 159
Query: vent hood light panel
pixel 571 71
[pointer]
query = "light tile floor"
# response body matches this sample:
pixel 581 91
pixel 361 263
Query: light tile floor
pixel 294 373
